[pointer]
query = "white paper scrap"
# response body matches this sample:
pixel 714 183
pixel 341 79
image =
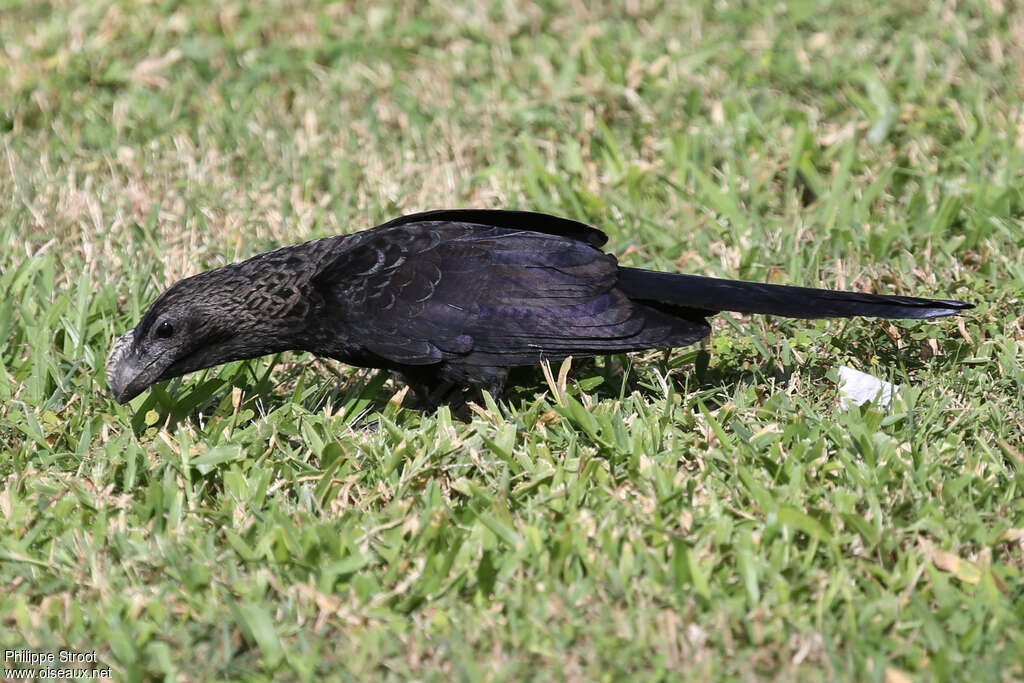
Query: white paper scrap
pixel 857 388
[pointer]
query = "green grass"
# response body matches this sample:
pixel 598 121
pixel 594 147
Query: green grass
pixel 710 513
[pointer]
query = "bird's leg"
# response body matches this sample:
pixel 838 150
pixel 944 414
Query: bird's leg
pixel 431 387
pixel 436 386
pixel 491 380
pixel 430 395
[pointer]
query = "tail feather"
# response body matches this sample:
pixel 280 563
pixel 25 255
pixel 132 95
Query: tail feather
pixel 714 294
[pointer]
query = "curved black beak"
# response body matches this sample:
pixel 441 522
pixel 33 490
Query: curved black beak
pixel 125 375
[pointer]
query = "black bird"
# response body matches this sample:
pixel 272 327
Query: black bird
pixel 452 299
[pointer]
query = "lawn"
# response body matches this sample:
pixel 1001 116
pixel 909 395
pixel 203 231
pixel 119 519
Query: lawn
pixel 703 514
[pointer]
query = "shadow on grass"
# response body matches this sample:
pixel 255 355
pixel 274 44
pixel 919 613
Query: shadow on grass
pixel 318 385
pixel 218 394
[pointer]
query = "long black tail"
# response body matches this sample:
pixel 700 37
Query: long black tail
pixel 714 294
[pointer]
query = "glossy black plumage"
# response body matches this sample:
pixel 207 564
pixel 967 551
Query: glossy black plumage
pixel 452 298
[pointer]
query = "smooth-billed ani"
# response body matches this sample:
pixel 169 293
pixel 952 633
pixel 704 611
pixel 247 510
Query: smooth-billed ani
pixel 452 299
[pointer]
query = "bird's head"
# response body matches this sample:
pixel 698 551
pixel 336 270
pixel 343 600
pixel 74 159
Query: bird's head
pixel 202 321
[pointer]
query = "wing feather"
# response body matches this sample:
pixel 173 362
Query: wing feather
pixel 425 292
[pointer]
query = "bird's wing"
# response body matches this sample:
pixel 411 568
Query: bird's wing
pixel 513 220
pixel 420 293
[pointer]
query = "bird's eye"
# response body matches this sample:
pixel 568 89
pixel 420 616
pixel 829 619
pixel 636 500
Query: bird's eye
pixel 164 330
